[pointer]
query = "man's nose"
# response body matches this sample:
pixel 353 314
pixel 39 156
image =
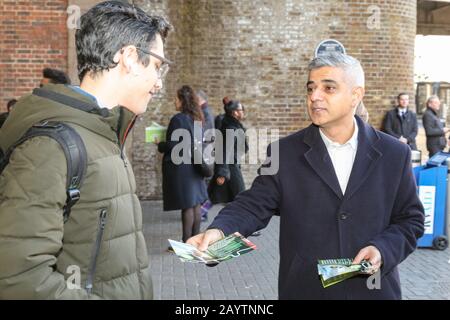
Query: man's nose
pixel 158 84
pixel 316 95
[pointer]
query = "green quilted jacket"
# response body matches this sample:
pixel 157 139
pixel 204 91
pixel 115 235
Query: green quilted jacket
pixel 100 252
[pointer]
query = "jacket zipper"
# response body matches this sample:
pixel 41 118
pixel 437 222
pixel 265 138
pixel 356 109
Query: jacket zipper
pixel 134 220
pixel 95 251
pixel 122 155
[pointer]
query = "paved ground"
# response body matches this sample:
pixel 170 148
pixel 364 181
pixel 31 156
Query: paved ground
pixel 425 274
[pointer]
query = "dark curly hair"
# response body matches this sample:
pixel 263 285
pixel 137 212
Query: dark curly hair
pixel 108 27
pixel 11 104
pixel 189 103
pixel 55 76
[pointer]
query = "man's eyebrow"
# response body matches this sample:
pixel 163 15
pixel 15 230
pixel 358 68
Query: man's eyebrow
pixel 329 81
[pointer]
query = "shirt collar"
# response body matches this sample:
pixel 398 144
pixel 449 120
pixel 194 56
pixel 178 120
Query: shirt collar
pixel 87 94
pixel 402 110
pixel 352 142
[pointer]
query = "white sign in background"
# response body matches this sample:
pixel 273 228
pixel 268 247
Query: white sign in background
pixel 427 195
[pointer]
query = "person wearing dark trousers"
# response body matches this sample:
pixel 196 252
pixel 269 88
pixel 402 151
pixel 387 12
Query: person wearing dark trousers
pixel 206 109
pixel 341 188
pixel 183 186
pixel 208 135
pixel 434 128
pixel 401 123
pixel 228 181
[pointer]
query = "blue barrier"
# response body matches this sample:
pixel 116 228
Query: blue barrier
pixel 431 181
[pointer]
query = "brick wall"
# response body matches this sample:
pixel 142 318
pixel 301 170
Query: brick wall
pixel 254 50
pixel 257 52
pixel 33 35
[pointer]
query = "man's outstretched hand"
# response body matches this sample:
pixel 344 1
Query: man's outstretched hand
pixel 371 254
pixel 203 240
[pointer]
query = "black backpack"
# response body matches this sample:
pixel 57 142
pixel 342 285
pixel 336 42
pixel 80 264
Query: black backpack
pixel 71 143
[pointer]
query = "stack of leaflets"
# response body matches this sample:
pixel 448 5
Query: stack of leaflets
pixel 332 271
pixel 227 248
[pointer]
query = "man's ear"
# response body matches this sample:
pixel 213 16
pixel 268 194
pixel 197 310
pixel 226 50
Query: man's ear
pixel 127 59
pixel 357 96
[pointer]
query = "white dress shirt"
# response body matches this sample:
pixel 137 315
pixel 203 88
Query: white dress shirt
pixel 342 156
pixel 401 111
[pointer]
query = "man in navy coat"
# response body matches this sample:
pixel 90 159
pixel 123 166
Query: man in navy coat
pixel 342 190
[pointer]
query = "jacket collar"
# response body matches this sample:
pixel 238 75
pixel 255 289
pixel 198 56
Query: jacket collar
pixel 117 121
pixel 402 110
pixel 366 158
pixel 432 111
pixel 113 124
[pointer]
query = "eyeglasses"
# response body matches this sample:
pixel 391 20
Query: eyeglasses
pixel 165 63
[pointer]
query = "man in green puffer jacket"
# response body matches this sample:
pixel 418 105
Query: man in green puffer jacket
pixel 100 252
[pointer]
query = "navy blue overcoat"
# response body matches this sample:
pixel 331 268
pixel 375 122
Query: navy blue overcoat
pixel 380 207
pixel 183 186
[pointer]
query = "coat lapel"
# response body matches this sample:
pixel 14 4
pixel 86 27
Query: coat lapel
pixel 366 158
pixel 319 159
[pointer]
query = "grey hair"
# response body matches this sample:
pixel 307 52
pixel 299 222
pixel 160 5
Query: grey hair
pixel 202 95
pixel 351 66
pixel 432 97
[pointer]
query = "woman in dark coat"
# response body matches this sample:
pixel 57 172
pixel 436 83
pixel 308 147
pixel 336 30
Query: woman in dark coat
pixel 228 182
pixel 183 187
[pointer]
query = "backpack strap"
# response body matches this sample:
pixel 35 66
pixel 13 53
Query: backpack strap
pixel 70 101
pixel 74 150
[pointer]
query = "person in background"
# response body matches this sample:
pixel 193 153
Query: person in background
pixel 228 181
pixel 5 115
pixel 183 186
pixel 208 135
pixel 53 76
pixel 434 129
pixel 401 123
